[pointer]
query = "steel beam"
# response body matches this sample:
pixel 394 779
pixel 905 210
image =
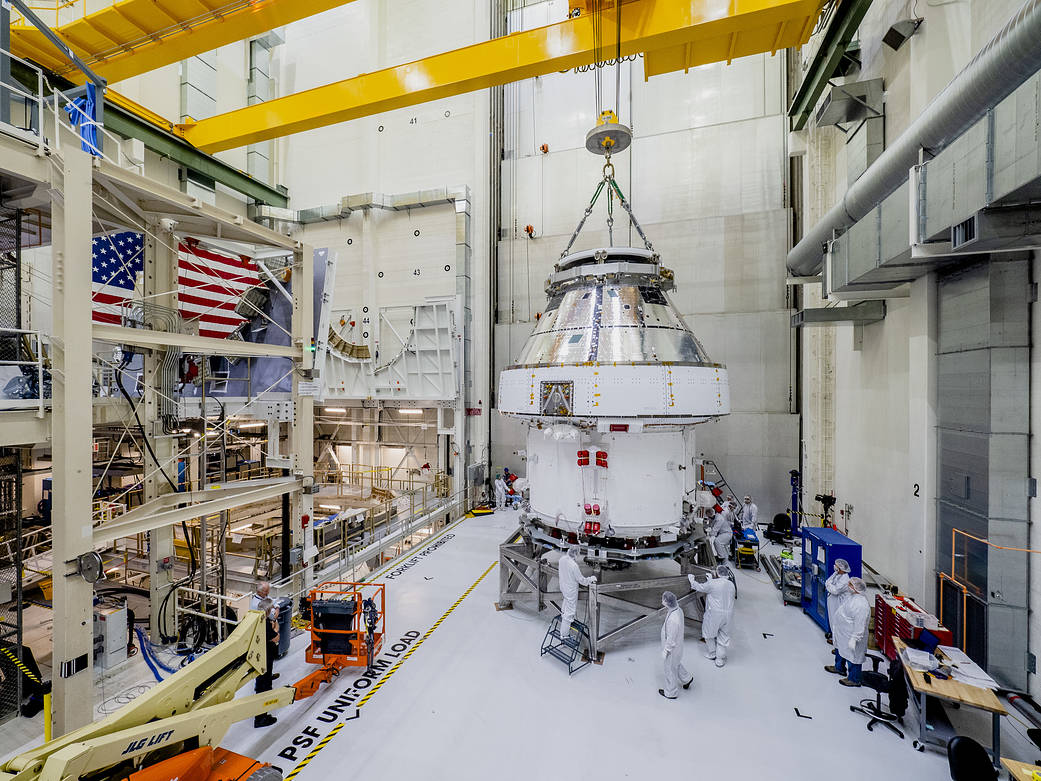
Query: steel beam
pixel 206 345
pixel 73 638
pixel 699 27
pixel 131 37
pixel 23 427
pixel 848 16
pixel 301 429
pixel 159 274
pixel 67 52
pixel 135 522
pixel 192 215
pixel 124 122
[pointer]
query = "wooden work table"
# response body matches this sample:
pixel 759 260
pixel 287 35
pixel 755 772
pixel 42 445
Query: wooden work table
pixel 951 690
pixel 1020 771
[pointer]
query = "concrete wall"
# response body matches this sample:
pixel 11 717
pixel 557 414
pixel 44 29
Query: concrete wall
pixel 161 91
pixel 869 402
pixel 435 145
pixel 706 177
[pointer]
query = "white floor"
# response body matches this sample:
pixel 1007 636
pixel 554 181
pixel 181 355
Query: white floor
pixel 475 700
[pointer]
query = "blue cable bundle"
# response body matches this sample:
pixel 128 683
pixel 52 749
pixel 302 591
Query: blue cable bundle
pixel 148 652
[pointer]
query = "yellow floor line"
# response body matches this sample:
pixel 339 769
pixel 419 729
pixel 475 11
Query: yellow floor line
pixel 412 553
pixel 376 687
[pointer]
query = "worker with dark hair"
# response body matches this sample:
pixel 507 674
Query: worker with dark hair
pixel 263 682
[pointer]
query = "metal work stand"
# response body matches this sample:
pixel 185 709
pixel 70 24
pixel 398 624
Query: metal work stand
pixel 524 574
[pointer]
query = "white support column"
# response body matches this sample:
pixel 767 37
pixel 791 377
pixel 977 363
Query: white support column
pixel 71 442
pixel 159 274
pixel 301 428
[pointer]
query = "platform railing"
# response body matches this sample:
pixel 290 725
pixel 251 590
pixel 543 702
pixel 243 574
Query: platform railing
pixel 33 103
pixel 36 361
pixel 393 540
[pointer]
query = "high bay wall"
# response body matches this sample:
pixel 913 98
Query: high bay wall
pixel 706 176
pixel 882 403
pixel 395 258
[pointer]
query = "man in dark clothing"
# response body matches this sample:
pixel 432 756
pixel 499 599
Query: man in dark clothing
pixel 263 682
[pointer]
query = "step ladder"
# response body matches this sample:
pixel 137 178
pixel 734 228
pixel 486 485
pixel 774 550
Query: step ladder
pixel 569 647
pixel 710 478
pixel 215 451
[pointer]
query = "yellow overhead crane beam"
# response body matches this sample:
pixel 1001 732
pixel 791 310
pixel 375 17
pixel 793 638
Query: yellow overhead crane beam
pixel 674 34
pixel 131 37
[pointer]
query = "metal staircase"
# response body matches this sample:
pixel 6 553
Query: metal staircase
pixel 710 478
pixel 572 648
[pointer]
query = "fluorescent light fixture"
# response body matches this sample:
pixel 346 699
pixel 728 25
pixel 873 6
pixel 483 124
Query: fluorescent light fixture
pixel 340 410
pixel 251 425
pixel 410 412
pixel 330 507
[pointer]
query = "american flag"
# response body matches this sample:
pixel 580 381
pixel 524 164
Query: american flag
pixel 209 283
pixel 116 260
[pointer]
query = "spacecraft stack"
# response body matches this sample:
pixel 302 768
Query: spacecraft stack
pixel 611 384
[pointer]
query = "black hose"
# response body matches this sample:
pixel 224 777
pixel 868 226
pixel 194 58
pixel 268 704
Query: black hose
pixel 141 428
pixel 164 635
pixel 163 627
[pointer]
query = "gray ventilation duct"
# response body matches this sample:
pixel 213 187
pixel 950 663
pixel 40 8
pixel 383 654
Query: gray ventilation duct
pixel 1000 67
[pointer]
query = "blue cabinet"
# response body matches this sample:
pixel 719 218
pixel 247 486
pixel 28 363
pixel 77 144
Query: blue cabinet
pixel 820 549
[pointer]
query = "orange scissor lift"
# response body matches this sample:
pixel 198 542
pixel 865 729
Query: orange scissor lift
pixel 347 629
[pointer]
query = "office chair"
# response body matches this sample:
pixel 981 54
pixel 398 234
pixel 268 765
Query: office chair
pixel 892 683
pixel 780 529
pixel 969 761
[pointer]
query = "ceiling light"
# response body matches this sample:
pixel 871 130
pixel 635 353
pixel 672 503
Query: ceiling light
pixel 339 410
pixel 410 412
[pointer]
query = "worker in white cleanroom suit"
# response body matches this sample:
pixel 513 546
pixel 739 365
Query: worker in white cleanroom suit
pixel 672 648
pixel 749 513
pixel 838 589
pixel 500 493
pixel 719 611
pixel 570 578
pixel 850 634
pixel 720 532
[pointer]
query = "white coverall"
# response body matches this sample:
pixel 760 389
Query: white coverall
pixel 748 514
pixel 570 578
pixel 838 589
pixel 719 610
pixel 500 493
pixel 672 651
pixel 849 632
pixel 721 533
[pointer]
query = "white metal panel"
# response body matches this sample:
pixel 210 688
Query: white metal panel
pixel 640 490
pixel 707 95
pixel 617 390
pixel 720 169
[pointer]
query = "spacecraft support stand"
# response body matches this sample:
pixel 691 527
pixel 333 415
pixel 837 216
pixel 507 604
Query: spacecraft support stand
pixel 524 574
